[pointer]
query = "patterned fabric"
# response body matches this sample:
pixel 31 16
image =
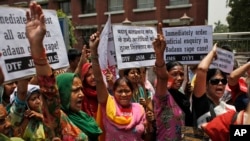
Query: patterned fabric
pixel 29 129
pixel 90 102
pixel 140 94
pixel 169 118
pixel 53 116
pixel 131 131
pixel 83 121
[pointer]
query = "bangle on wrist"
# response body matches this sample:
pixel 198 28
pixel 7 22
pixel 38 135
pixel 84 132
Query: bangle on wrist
pixel 43 55
pixel 40 62
pixel 160 66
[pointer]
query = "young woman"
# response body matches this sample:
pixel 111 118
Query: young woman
pixel 140 94
pixel 90 102
pixel 122 119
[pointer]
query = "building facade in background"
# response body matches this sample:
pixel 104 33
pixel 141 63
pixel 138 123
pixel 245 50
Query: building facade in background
pixel 88 16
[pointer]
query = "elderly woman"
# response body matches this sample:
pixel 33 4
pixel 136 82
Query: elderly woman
pixel 62 123
pixel 71 96
pixel 122 119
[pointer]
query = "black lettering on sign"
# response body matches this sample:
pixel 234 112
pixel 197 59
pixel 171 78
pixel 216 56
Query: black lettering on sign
pixel 24 63
pixel 138 57
pixel 184 57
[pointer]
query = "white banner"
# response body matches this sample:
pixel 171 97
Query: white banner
pixel 189 44
pixel 16 60
pixel 133 46
pixel 103 44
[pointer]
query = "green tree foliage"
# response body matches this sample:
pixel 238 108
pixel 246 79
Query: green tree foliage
pixel 220 28
pixel 72 38
pixel 239 16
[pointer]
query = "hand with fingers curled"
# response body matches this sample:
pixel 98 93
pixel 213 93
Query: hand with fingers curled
pixel 150 116
pixel 33 114
pixel 94 42
pixel 143 102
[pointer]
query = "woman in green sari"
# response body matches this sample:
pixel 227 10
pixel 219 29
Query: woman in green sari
pixel 70 90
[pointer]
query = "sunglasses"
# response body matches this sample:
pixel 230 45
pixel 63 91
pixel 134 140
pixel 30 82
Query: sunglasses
pixel 217 81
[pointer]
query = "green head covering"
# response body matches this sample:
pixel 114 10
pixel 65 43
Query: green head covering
pixel 82 120
pixel 64 82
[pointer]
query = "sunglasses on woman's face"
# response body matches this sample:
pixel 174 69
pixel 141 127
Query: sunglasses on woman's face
pixel 217 81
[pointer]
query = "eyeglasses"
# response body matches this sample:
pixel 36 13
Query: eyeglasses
pixel 217 81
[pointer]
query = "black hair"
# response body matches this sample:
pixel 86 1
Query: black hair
pixel 213 72
pixel 121 80
pixel 172 64
pixel 73 54
pixel 126 71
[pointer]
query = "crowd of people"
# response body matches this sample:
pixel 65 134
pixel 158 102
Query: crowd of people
pixel 84 104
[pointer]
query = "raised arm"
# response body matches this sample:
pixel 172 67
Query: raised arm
pixel 201 73
pixel 82 61
pixel 160 67
pixel 35 32
pixel 236 74
pixel 102 92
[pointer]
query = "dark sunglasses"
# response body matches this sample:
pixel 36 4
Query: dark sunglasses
pixel 217 81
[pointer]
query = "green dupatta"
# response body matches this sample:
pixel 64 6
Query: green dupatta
pixel 82 120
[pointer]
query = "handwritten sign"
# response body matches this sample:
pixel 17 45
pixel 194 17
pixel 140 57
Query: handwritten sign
pixel 16 60
pixel 189 44
pixel 224 61
pixel 133 46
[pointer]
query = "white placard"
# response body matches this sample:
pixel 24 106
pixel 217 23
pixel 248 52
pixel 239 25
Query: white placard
pixel 188 44
pixel 106 48
pixel 224 60
pixel 133 46
pixel 16 60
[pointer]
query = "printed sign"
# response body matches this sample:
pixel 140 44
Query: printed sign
pixel 188 45
pixel 224 61
pixel 133 46
pixel 16 60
